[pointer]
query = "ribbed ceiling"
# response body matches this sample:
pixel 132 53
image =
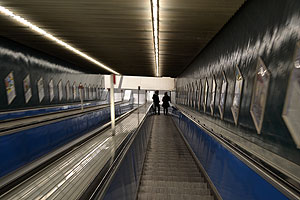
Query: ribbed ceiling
pixel 119 32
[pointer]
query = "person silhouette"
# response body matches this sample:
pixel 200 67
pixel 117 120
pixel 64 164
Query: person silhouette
pixel 156 102
pixel 166 104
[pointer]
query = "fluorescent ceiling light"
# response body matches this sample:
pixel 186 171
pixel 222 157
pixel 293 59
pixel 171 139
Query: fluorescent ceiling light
pixel 40 31
pixel 155 27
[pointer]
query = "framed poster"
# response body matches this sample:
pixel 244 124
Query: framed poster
pixel 195 85
pixel 94 92
pixel 291 109
pixel 238 87
pixel 41 91
pixel 98 92
pixel 68 90
pixel 213 95
pixel 85 92
pixel 196 94
pixel 27 88
pixel 205 93
pixel 81 91
pixel 51 90
pixel 10 87
pixel 199 94
pixel 90 92
pixel 74 91
pixel 60 90
pixel 186 95
pixel 192 94
pixel 259 94
pixel 223 94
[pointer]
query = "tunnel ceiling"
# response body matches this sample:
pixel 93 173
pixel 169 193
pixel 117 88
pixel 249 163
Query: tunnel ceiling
pixel 119 32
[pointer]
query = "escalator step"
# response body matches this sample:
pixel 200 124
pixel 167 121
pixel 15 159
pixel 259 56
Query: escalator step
pixel 169 169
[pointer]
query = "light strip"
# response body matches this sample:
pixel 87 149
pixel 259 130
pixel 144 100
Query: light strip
pixel 155 26
pixel 42 32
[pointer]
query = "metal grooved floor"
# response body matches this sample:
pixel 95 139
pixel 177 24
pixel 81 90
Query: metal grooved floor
pixel 169 169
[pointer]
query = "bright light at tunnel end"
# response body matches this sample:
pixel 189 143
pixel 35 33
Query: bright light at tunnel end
pixel 155 27
pixel 6 12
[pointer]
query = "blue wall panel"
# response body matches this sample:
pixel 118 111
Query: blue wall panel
pixel 39 111
pixel 233 179
pixel 20 148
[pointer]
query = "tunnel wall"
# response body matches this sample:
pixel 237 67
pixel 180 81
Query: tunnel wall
pixel 267 29
pixel 22 60
pixel 233 179
pixel 23 147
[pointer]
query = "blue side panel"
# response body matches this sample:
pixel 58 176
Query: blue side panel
pixel 27 113
pixel 233 179
pixel 126 180
pixel 20 148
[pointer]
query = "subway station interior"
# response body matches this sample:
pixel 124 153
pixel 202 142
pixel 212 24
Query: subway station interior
pixel 150 99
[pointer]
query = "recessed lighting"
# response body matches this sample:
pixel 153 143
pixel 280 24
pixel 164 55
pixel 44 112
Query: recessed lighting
pixel 42 32
pixel 155 26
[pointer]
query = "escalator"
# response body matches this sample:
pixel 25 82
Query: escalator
pixel 170 171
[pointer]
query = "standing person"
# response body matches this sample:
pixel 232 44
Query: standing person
pixel 156 102
pixel 166 104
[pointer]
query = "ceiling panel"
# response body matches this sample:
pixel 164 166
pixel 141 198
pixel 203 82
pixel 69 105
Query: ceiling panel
pixel 119 32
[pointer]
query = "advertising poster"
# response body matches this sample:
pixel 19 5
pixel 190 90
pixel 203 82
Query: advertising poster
pixel 259 96
pixel 200 95
pixel 223 95
pixel 74 91
pixel 90 92
pixel 10 87
pixel 51 90
pixel 235 108
pixel 195 88
pixel 68 90
pixel 188 94
pixel 196 94
pixel 291 110
pixel 60 90
pixel 98 92
pixel 205 95
pixel 94 93
pixel 185 95
pixel 85 91
pixel 27 88
pixel 191 94
pixel 41 91
pixel 213 95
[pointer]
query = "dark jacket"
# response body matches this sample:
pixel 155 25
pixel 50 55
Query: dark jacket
pixel 155 99
pixel 166 100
